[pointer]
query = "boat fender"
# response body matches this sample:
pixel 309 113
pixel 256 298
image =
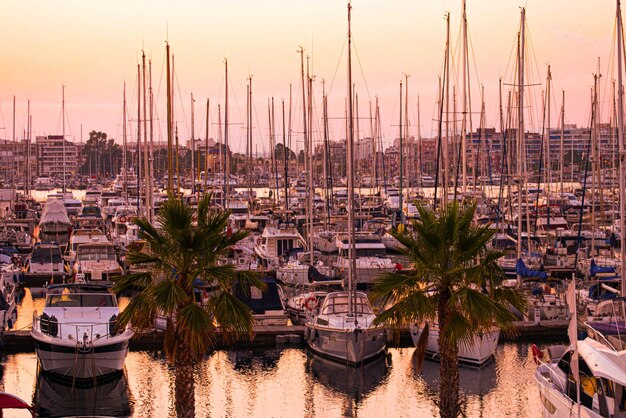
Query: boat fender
pixel 53 327
pixel 10 323
pixel 311 303
pixel 312 335
pixel 307 332
pixel 44 323
pixel 537 353
pixel 112 325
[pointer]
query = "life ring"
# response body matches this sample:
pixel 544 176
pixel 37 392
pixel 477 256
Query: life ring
pixel 537 353
pixel 122 219
pixel 310 303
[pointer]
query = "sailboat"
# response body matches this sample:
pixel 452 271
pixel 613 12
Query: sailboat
pixel 344 328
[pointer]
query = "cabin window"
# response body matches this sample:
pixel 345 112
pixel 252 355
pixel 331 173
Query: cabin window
pixel 284 246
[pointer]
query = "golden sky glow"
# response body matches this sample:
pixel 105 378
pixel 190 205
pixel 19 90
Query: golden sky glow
pixel 94 46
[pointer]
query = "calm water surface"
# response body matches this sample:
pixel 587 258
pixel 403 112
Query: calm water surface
pixel 287 382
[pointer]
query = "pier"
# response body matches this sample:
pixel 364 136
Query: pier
pixel 20 341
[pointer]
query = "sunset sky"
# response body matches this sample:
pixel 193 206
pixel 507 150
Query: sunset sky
pixel 93 47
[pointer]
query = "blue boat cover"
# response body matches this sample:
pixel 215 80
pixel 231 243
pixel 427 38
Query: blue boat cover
pixel 269 301
pixel 522 270
pixel 595 269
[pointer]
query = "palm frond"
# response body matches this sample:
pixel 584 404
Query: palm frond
pixel 169 296
pixel 232 315
pixel 195 327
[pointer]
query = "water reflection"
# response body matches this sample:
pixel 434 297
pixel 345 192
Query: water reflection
pixel 251 360
pixel 355 382
pixel 61 398
pixel 472 380
pixel 284 383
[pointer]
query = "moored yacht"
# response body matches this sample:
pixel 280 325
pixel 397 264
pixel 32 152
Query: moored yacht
pixel 479 350
pixel 76 334
pixel 345 335
pixel 371 257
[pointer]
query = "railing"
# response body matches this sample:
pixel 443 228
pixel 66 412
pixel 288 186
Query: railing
pixel 78 332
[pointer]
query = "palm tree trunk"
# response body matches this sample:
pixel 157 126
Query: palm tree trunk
pixel 449 406
pixel 184 388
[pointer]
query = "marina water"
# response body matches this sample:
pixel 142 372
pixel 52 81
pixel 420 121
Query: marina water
pixel 281 382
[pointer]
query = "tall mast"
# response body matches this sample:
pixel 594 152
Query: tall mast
pixel 520 135
pixel 419 145
pixel 146 169
pixel 170 179
pixel 13 159
pixel 401 146
pixel 464 104
pixel 124 162
pixel 286 182
pixel 306 145
pixel 193 152
pixel 620 138
pixel 446 153
pixel 206 151
pixel 138 147
pixel 310 156
pixel 151 150
pixel 226 156
pixel 350 173
pixel 562 152
pixel 63 124
pixel 249 116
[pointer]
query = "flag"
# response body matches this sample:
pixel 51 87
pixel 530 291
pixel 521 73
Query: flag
pixel 572 329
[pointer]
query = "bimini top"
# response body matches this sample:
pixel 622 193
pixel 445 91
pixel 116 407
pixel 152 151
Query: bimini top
pixel 603 361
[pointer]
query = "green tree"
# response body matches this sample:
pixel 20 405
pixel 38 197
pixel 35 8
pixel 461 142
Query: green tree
pixel 455 281
pixel 102 156
pixel 185 249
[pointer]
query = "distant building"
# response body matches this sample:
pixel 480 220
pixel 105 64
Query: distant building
pixel 15 160
pixel 56 156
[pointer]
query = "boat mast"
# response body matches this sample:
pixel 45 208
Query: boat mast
pixel 151 150
pixel 170 179
pixel 401 152
pixel 286 158
pixel 124 162
pixel 206 150
pixel 350 149
pixel 562 152
pixel 226 156
pixel 520 137
pixel 193 152
pixel 464 104
pixel 620 138
pixel 146 158
pixel 138 145
pixel 63 124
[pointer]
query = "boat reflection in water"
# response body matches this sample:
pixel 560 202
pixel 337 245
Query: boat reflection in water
pixel 249 360
pixel 58 397
pixel 473 381
pixel 355 382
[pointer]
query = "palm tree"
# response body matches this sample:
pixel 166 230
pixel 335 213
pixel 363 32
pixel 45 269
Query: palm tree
pixel 181 254
pixel 454 280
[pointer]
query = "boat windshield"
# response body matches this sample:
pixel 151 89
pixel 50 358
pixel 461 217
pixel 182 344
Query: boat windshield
pixel 78 300
pixel 46 255
pixel 95 253
pixel 339 305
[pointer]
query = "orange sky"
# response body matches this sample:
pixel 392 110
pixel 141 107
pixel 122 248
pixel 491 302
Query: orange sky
pixel 93 47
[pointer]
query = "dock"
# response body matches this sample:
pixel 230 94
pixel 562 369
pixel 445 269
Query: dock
pixel 293 335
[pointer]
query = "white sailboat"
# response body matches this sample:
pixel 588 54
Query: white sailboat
pixel 344 329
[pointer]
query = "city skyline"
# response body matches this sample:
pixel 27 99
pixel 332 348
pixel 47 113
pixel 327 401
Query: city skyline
pixel 94 48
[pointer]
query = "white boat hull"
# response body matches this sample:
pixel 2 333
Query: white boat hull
pixel 82 362
pixel 352 347
pixel 555 404
pixel 478 351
